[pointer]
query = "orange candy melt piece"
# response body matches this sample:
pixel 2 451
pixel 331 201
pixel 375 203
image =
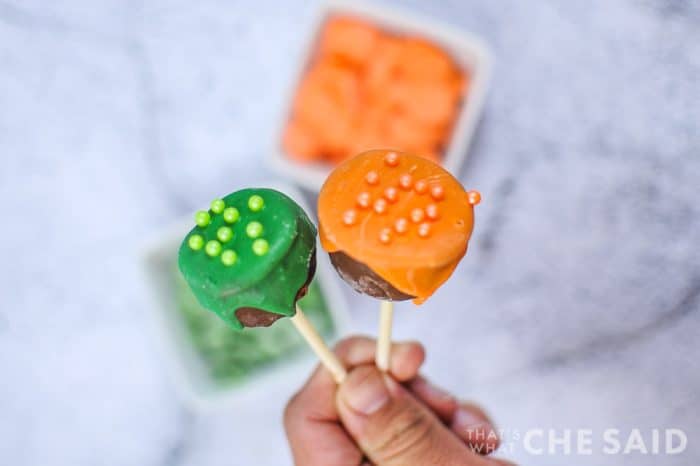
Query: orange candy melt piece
pixel 299 142
pixel 349 39
pixel 419 59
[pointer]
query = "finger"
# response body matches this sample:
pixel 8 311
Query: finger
pixel 309 416
pixel 406 357
pixel 443 404
pixel 392 427
pixel 474 427
pixel 466 420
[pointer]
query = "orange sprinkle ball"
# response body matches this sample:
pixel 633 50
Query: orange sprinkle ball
pixel 391 194
pixel 367 87
pixel 363 200
pixel 410 224
pixel 372 178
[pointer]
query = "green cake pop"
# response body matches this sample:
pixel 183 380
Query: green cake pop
pixel 250 257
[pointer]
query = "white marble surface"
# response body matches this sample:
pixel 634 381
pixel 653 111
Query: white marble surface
pixel 578 305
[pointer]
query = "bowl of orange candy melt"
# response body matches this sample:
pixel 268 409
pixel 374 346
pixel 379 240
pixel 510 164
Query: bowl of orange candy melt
pixel 377 79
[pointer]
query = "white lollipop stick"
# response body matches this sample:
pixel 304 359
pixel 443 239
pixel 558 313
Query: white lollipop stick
pixel 327 357
pixel 386 317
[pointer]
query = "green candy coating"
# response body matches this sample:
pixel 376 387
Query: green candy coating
pixel 260 247
pixel 225 234
pixel 195 242
pixel 256 203
pixel 217 206
pixel 202 218
pixel 228 257
pixel 270 281
pixel 213 248
pixel 231 215
pixel 254 230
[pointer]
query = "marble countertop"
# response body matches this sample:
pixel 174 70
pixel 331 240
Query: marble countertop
pixel 578 305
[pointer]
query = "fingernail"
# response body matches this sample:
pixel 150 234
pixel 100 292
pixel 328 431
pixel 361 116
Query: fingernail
pixel 364 390
pixel 465 419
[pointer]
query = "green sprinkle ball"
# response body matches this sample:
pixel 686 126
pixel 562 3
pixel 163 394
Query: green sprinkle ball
pixel 224 234
pixel 217 206
pixel 231 215
pixel 202 218
pixel 229 257
pixel 260 247
pixel 213 248
pixel 254 229
pixel 256 203
pixel 196 242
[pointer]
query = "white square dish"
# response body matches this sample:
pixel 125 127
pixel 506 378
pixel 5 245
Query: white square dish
pixel 194 382
pixel 468 51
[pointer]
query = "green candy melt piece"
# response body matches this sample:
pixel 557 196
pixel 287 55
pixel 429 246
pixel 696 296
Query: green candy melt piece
pixel 202 218
pixel 217 206
pixel 224 234
pixel 254 230
pixel 256 203
pixel 260 247
pixel 228 257
pixel 231 215
pixel 213 248
pixel 251 272
pixel 195 242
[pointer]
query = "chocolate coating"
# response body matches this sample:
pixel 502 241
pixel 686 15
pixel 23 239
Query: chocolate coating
pixel 254 317
pixel 364 280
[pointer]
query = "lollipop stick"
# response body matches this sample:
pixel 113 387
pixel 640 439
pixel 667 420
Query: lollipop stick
pixel 328 359
pixel 386 316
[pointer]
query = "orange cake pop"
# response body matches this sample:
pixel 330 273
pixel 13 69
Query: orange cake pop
pixel 395 225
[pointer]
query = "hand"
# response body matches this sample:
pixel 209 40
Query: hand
pixel 371 418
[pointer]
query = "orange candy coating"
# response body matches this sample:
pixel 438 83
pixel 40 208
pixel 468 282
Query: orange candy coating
pixel 414 242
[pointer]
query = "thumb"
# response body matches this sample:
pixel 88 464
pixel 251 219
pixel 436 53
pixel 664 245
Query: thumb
pixel 392 427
